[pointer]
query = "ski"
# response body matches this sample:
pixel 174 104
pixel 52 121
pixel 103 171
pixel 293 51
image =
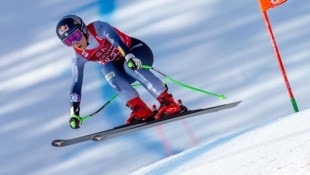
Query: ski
pixel 124 129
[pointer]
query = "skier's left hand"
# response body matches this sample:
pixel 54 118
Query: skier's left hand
pixel 75 121
pixel 133 62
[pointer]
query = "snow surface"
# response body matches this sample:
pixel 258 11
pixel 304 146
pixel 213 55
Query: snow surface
pixel 280 147
pixel 217 45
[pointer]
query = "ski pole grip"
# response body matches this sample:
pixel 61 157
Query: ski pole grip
pixel 130 65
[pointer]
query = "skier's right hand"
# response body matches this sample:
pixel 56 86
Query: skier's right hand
pixel 75 121
pixel 133 62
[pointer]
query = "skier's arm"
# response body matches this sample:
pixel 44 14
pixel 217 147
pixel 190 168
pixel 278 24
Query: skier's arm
pixel 105 30
pixel 76 88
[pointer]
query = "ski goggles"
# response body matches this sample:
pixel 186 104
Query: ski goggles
pixel 76 36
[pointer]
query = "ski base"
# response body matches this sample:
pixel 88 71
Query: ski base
pixel 124 129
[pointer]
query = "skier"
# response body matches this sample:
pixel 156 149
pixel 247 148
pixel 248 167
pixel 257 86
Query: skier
pixel 121 57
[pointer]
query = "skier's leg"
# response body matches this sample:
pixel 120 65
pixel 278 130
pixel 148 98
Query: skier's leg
pixel 153 84
pixel 147 79
pixel 118 82
pixel 122 84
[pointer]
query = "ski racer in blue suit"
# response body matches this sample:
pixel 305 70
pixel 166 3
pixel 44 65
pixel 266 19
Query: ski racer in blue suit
pixel 114 50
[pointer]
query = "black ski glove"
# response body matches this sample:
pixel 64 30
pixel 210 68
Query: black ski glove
pixel 75 121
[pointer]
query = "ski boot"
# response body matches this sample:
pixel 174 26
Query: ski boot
pixel 140 111
pixel 168 106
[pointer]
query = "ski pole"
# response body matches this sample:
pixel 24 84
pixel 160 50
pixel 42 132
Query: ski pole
pixel 222 97
pixel 98 110
pixel 103 106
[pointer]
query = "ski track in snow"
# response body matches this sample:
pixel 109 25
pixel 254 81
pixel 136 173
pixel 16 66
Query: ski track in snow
pixel 279 147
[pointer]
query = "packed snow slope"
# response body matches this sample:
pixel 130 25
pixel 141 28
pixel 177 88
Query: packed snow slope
pixel 280 147
pixel 216 45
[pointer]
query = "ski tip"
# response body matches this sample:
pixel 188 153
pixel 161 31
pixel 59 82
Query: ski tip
pixel 57 143
pixel 236 103
pixel 232 104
